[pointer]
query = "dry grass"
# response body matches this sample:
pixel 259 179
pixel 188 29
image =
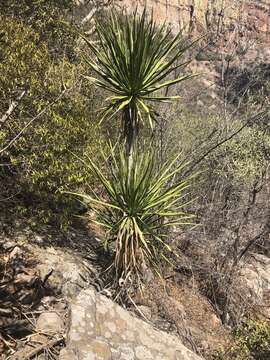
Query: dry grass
pixel 179 307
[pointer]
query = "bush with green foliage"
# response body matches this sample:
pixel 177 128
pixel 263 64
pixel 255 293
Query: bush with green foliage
pixel 46 19
pixel 24 61
pixel 249 154
pixel 40 163
pixel 251 342
pixel 241 160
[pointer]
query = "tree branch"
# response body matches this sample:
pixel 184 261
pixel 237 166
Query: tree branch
pixel 251 120
pixel 16 137
pixel 12 107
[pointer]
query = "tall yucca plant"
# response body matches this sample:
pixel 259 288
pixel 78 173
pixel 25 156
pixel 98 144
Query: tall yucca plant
pixel 137 209
pixel 133 59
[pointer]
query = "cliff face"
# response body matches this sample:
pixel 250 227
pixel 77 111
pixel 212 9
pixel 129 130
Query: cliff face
pixel 179 14
pixel 249 19
pixel 203 15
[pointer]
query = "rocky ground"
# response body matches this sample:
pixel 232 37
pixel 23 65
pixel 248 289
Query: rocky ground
pixel 37 281
pixel 44 306
pixel 33 314
pixel 46 292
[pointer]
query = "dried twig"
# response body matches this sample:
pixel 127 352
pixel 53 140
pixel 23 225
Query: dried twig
pixel 46 277
pixel 43 347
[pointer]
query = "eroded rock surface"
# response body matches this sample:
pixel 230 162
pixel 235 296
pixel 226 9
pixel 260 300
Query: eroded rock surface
pixel 70 272
pixel 256 276
pixel 102 330
pixel 65 269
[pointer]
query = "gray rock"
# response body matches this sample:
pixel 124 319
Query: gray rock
pixel 50 322
pixel 16 254
pixel 102 330
pixel 38 240
pixel 256 276
pixel 7 245
pixel 70 273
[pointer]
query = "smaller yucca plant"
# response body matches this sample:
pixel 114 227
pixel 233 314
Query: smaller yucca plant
pixel 136 209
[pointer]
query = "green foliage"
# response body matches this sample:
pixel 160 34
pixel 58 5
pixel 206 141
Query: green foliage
pixel 132 62
pixel 45 18
pixel 254 337
pixel 67 128
pixel 24 58
pixel 136 210
pixel 251 342
pixel 241 161
pixel 249 154
pixel 40 164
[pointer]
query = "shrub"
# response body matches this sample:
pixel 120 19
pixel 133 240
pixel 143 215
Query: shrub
pixel 40 164
pixel 251 342
pixel 248 154
pixel 44 18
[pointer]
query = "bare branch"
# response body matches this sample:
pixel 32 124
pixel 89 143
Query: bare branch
pixel 16 137
pixel 12 107
pixel 248 122
pixel 37 350
pixel 94 10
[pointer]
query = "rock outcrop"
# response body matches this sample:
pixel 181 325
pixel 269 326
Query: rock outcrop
pixel 192 15
pixel 70 272
pixel 256 277
pixel 102 330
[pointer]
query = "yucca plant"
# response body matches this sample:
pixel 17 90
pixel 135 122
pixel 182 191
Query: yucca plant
pixel 133 59
pixel 135 211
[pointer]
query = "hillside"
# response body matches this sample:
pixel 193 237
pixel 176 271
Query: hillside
pixel 134 169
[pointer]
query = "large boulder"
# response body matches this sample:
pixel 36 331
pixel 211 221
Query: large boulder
pixel 102 330
pixel 250 292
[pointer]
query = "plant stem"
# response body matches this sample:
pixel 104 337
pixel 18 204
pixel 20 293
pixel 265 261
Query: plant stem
pixel 131 132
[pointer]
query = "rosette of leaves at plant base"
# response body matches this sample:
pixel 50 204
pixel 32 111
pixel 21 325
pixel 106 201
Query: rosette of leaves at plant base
pixel 136 208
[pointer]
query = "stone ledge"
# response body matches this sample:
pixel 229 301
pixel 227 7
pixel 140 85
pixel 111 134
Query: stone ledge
pixel 102 330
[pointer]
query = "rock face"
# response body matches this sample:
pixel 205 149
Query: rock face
pixel 66 269
pixel 256 276
pixel 102 330
pixel 70 272
pixel 192 15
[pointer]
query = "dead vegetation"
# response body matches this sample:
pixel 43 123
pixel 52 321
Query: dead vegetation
pixel 177 306
pixel 24 296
